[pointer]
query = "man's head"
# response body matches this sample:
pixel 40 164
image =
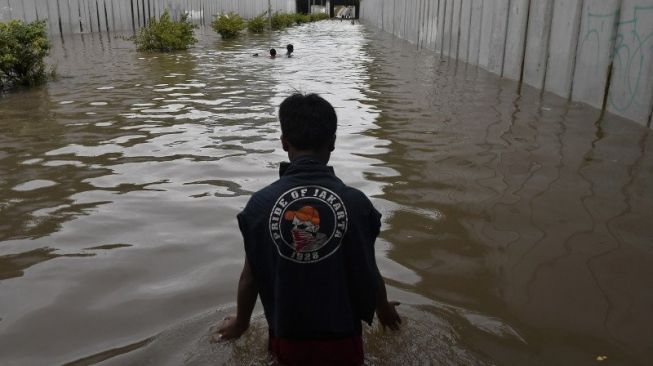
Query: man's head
pixel 308 125
pixel 273 52
pixel 290 48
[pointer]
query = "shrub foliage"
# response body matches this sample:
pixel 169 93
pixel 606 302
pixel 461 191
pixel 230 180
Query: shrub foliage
pixel 257 24
pixel 315 17
pixel 302 18
pixel 280 21
pixel 228 25
pixel 23 48
pixel 166 35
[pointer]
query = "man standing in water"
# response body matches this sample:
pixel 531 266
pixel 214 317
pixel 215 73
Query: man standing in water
pixel 309 244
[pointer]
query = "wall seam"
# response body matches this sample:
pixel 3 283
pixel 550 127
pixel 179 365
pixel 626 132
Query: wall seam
pixel 480 31
pixel 460 17
pixel 405 17
pixel 576 51
pixel 608 80
pixel 59 18
pixel 548 45
pixel 505 39
pixel 444 16
pixel 523 58
pixel 437 26
pixel 419 22
pixel 469 30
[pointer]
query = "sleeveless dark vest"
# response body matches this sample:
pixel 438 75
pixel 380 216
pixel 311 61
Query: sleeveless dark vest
pixel 309 240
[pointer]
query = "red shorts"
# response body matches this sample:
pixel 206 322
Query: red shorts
pixel 346 352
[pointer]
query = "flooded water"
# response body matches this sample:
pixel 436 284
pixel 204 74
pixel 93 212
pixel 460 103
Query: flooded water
pixel 516 231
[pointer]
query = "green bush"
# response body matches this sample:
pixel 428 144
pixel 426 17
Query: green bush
pixel 318 16
pixel 288 19
pixel 257 24
pixel 302 18
pixel 166 35
pixel 228 25
pixel 277 21
pixel 23 48
pixel 282 20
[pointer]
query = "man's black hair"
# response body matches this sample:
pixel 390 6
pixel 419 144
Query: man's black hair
pixel 308 122
pixel 273 52
pixel 290 48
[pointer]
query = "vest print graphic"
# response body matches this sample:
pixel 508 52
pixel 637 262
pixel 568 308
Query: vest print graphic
pixel 307 224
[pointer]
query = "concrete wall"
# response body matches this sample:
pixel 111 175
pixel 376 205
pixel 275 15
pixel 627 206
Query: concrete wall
pixel 599 52
pixel 85 16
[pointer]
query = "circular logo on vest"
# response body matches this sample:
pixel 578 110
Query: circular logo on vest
pixel 307 224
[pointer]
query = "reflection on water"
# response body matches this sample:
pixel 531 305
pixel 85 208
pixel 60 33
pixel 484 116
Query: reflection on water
pixel 516 225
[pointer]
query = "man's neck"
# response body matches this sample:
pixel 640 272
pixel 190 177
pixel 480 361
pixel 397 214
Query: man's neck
pixel 321 156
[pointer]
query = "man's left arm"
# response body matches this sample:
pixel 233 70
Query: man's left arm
pixel 386 310
pixel 235 325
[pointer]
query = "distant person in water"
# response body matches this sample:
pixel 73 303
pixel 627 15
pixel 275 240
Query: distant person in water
pixel 309 251
pixel 289 50
pixel 273 53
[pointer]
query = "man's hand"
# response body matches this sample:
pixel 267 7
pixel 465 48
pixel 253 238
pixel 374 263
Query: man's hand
pixel 387 314
pixel 231 328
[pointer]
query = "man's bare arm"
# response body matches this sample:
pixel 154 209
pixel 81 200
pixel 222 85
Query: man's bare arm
pixel 385 310
pixel 235 325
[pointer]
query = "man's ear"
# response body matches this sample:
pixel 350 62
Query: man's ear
pixel 332 144
pixel 284 143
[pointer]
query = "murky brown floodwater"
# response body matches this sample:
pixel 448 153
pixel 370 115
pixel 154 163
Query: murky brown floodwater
pixel 517 228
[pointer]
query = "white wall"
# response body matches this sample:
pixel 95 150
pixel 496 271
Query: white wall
pixel 85 16
pixel 599 52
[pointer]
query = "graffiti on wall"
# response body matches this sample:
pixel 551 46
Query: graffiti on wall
pixel 632 60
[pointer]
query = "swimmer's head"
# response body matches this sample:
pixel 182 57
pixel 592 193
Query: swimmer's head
pixel 273 52
pixel 290 48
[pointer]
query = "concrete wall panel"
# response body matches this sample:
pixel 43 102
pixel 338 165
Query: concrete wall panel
pixel 515 39
pixel 567 47
pixel 500 17
pixel 563 43
pixel 97 15
pixel 388 16
pixel 465 21
pixel 441 24
pixel 475 32
pixel 421 23
pixel 486 32
pixel 428 24
pixel 432 29
pixel 5 12
pixel 52 18
pixel 29 7
pixel 537 42
pixel 631 85
pixel 407 5
pixel 15 7
pixel 400 19
pixel 446 31
pixel 68 12
pixel 415 19
pixel 455 29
